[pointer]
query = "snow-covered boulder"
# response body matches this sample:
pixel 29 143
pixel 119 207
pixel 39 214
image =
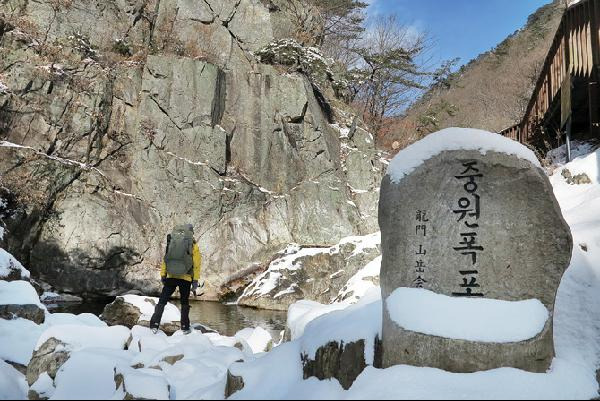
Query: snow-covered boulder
pixel 11 269
pixel 344 362
pixel 233 384
pixel 309 273
pixel 12 384
pixel 42 389
pixel 141 384
pixel 341 343
pixel 471 214
pixel 579 179
pixel 18 299
pixel 133 310
pixel 258 339
pixel 56 344
pixel 46 360
pixel 89 373
pixel 20 336
pixel 335 344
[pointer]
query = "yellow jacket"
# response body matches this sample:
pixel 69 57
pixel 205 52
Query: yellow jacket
pixel 197 258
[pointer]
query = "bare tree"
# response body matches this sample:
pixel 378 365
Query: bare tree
pixel 307 20
pixel 329 24
pixel 391 71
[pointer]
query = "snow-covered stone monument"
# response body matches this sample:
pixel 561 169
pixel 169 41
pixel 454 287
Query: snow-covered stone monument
pixel 474 247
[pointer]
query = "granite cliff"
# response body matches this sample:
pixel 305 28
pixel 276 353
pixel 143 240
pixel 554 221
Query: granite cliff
pixel 120 119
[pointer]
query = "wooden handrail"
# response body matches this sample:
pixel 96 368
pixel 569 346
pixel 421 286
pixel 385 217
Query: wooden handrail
pixel 575 52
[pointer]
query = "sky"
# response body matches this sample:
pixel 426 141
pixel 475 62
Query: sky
pixel 461 28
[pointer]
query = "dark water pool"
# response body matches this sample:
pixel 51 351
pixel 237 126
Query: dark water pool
pixel 226 319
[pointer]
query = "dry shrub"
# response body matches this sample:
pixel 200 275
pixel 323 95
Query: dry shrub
pixel 60 5
pixel 29 189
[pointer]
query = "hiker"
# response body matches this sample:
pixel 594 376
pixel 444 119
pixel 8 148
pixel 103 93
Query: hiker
pixel 180 268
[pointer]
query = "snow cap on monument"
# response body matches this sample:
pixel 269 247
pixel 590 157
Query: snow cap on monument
pixel 469 219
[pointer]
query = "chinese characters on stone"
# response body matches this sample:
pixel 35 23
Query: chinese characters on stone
pixel 469 212
pixel 420 231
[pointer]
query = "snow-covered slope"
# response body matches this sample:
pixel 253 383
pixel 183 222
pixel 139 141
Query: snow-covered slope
pixel 577 315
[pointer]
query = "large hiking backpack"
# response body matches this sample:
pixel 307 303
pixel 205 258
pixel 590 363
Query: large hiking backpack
pixel 180 248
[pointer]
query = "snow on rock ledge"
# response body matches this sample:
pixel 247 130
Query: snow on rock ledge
pixel 413 156
pixel 19 299
pixel 310 273
pixel 480 320
pixel 18 293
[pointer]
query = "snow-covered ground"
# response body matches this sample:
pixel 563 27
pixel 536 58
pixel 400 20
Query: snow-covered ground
pixel 195 366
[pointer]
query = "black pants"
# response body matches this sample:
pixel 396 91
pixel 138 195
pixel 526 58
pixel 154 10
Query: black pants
pixel 169 288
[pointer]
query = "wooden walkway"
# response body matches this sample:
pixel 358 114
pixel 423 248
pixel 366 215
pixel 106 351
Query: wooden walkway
pixel 565 98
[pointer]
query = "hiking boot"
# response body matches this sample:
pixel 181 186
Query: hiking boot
pixel 187 331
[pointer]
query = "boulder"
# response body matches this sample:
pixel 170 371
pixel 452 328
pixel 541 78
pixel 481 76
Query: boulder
pixel 42 389
pixel 233 384
pixel 469 214
pixel 336 360
pixel 337 341
pixel 203 329
pixel 18 299
pixel 11 269
pixel 20 368
pixel 172 359
pixel 29 312
pixel 310 273
pixel 58 343
pixel 48 359
pixel 141 384
pixel 579 179
pixel 122 313
pixel 133 310
pixel 256 340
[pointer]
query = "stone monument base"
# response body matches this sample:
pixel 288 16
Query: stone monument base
pixel 404 347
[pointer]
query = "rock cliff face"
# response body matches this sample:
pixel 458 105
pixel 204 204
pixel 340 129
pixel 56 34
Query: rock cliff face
pixel 119 120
